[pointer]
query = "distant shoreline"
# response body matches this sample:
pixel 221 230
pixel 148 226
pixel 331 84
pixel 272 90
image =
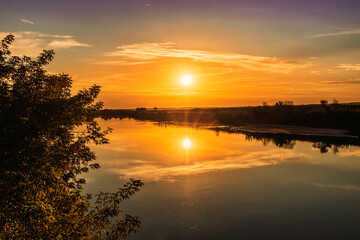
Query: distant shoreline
pixel 286 130
pixel 326 120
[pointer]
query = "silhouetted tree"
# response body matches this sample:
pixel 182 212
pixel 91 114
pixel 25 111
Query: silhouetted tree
pixel 44 133
pixel 142 109
pixel 279 103
pixel 288 103
pixel 322 146
pixel 323 102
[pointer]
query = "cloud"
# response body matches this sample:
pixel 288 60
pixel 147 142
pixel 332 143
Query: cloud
pixel 338 186
pixel 150 51
pixel 34 34
pixel 26 21
pixel 341 33
pixel 119 62
pixel 315 72
pixel 350 153
pixel 31 43
pixel 350 67
pixel 348 81
pixel 67 44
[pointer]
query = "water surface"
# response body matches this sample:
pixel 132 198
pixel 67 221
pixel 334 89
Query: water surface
pixel 202 184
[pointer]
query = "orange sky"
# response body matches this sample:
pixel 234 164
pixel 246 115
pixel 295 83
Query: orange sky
pixel 238 52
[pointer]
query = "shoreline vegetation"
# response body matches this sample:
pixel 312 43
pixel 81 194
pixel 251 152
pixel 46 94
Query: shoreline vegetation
pixel 329 127
pixel 317 120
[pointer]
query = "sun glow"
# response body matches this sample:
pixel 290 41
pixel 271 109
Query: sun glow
pixel 187 143
pixel 186 80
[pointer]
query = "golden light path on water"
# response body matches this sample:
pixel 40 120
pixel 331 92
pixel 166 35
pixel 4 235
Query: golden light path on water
pixel 153 152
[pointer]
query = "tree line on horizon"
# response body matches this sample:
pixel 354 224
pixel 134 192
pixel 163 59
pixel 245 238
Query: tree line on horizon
pixel 323 115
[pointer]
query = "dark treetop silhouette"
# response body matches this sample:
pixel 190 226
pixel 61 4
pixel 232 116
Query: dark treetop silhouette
pixel 42 152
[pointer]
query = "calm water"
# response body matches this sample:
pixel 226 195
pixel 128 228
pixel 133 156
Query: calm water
pixel 204 185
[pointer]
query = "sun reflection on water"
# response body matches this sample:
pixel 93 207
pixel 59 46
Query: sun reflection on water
pixel 182 151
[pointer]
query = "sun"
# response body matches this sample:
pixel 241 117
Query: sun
pixel 186 80
pixel 186 143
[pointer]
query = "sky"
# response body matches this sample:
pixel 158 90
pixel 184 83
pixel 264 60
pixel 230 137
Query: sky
pixel 238 52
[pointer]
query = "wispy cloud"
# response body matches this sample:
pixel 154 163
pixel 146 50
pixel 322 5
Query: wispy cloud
pixel 350 153
pixel 151 51
pixel 35 34
pixel 119 62
pixel 31 43
pixel 68 43
pixel 341 33
pixel 338 186
pixel 347 81
pixel 26 21
pixel 349 67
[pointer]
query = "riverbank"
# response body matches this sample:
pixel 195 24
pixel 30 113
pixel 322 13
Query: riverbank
pixel 286 130
pixel 332 120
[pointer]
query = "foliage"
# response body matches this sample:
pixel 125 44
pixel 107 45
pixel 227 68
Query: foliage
pixel 44 137
pixel 284 103
pixel 336 115
pixel 141 109
pixel 323 102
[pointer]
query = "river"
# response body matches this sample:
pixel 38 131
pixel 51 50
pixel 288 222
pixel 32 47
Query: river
pixel 203 184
